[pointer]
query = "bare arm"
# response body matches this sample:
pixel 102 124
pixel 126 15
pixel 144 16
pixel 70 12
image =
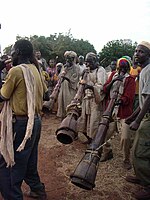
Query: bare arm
pixel 136 123
pixel 145 108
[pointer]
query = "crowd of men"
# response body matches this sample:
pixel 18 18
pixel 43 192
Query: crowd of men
pixel 27 82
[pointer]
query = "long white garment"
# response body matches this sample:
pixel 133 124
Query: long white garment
pixel 92 103
pixel 68 89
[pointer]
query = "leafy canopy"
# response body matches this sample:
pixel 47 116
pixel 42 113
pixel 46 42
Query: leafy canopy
pixel 115 49
pixel 55 45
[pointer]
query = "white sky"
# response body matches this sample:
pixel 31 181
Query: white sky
pixel 98 21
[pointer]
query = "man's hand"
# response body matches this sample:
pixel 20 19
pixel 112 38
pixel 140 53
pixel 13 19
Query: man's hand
pixel 128 120
pixel 118 78
pixel 118 102
pixel 86 86
pixel 4 63
pixel 83 82
pixel 65 78
pixel 134 126
pixel 63 73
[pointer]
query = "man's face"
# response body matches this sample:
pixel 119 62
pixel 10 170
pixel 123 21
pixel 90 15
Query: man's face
pixel 38 55
pixel 113 65
pixel 52 63
pixel 81 61
pixel 69 61
pixel 141 54
pixel 89 61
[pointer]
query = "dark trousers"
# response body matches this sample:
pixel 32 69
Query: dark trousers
pixel 25 167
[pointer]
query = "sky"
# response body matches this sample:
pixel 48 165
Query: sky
pixel 97 21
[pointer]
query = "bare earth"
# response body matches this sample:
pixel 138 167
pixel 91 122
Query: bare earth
pixel 57 161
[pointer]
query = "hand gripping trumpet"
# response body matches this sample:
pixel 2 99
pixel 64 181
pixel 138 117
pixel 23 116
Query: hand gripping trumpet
pixel 67 131
pixel 85 173
pixel 48 105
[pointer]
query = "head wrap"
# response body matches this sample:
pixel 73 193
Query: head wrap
pixel 123 62
pixel 129 59
pixel 81 57
pixel 59 64
pixel 146 44
pixel 71 54
pixel 92 55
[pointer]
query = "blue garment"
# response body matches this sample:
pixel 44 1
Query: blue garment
pixel 25 167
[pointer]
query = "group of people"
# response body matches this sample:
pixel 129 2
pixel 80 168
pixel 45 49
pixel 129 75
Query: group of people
pixel 30 81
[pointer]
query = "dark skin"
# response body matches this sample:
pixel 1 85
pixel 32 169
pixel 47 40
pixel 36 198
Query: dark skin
pixel 17 59
pixel 142 56
pixel 91 63
pixel 113 65
pixel 69 61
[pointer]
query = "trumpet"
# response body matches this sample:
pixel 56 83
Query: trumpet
pixel 67 132
pixel 48 105
pixel 85 173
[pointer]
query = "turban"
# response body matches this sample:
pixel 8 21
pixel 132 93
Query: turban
pixel 146 44
pixel 81 57
pixel 129 59
pixel 123 62
pixel 59 64
pixel 91 55
pixel 70 54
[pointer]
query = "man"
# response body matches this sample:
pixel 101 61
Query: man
pixel 140 121
pixel 52 71
pixel 71 75
pixel 135 72
pixel 8 65
pixel 112 66
pixel 81 63
pixel 122 110
pixel 42 62
pixel 92 106
pixel 22 94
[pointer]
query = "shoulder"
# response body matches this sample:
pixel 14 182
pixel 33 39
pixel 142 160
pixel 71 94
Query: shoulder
pixel 15 71
pixel 130 78
pixel 146 69
pixel 145 73
pixel 101 69
pixel 77 67
pixel 113 73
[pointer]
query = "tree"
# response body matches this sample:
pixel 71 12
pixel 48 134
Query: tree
pixel 57 44
pixel 115 49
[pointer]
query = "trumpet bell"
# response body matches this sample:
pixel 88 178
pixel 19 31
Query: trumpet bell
pixel 66 136
pixel 85 173
pixel 67 133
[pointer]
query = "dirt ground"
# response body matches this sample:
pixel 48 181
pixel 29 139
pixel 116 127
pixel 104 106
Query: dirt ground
pixel 57 161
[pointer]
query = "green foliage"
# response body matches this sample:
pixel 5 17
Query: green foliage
pixel 57 44
pixel 7 50
pixel 115 49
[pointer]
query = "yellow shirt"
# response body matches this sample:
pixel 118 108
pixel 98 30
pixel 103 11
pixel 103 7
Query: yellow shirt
pixel 14 89
pixel 135 73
